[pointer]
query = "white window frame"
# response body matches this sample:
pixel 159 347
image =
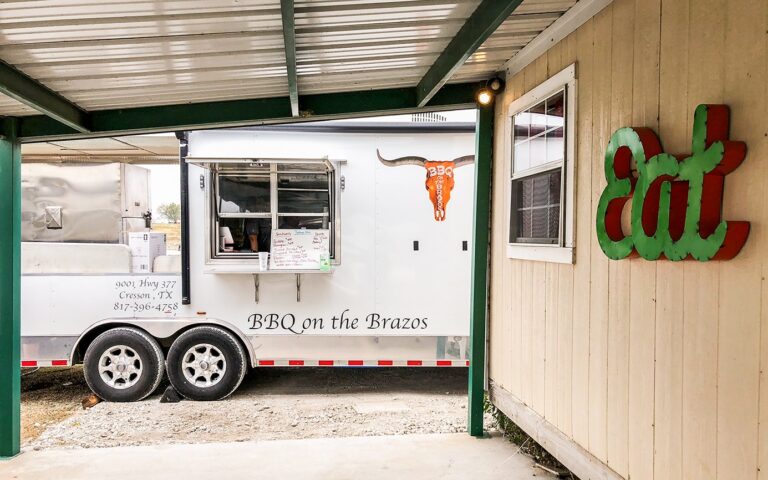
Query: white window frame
pixel 245 264
pixel 273 215
pixel 563 251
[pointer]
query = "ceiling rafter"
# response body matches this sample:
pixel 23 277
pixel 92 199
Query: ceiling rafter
pixel 32 93
pixel 289 38
pixel 479 26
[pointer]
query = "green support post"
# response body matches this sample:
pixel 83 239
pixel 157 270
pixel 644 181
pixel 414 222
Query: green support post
pixel 480 250
pixel 287 11
pixel 10 279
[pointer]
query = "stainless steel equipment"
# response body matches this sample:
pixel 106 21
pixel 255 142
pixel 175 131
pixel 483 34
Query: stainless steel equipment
pixel 98 203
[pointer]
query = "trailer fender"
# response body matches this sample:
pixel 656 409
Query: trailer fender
pixel 160 328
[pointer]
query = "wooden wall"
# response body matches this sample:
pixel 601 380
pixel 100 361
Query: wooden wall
pixel 659 369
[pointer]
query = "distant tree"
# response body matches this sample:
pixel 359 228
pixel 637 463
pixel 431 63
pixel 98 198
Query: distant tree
pixel 170 211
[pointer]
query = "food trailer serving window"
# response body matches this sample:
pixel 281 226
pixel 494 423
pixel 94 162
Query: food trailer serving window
pixel 252 197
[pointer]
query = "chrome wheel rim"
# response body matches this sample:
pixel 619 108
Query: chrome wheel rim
pixel 120 367
pixel 204 365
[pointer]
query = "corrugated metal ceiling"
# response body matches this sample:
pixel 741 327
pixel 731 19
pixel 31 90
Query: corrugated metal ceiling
pixel 110 54
pixel 147 148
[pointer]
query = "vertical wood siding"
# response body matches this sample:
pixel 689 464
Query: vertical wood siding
pixel 659 369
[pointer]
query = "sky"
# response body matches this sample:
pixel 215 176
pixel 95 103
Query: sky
pixel 164 186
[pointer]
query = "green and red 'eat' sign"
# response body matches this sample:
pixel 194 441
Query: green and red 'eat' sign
pixel 676 200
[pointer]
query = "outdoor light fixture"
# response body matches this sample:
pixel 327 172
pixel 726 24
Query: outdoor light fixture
pixel 486 94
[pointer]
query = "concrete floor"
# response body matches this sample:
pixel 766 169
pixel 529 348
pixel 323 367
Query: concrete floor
pixel 435 456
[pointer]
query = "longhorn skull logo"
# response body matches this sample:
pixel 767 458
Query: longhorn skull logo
pixel 440 179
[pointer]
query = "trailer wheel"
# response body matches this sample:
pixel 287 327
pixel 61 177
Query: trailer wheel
pixel 123 365
pixel 206 363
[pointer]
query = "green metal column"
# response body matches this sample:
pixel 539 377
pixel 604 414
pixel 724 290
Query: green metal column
pixel 480 250
pixel 10 279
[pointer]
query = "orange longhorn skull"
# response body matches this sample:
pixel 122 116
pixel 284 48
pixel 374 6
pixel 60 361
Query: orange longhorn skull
pixel 439 181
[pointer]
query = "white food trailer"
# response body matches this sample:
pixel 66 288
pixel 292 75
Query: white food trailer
pixel 366 226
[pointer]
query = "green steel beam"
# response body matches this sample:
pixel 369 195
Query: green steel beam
pixel 10 278
pixel 245 112
pixel 289 37
pixel 32 93
pixel 479 26
pixel 480 251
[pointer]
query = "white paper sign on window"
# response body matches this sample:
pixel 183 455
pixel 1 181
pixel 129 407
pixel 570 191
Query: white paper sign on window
pixel 298 249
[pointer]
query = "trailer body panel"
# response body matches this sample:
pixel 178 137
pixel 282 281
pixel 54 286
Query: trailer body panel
pixel 398 292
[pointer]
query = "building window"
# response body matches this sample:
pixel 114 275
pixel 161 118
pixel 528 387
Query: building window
pixel 249 202
pixel 537 208
pixel 541 140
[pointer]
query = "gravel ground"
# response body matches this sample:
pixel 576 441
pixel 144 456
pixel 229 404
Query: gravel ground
pixel 272 403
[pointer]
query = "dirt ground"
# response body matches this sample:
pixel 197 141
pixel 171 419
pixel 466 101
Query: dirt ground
pixel 49 396
pixel 272 403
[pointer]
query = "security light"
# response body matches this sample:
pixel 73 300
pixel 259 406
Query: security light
pixel 486 94
pixel 484 97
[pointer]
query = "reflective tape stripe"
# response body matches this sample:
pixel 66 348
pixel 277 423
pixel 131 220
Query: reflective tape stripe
pixel 361 363
pixel 44 363
pixel 302 363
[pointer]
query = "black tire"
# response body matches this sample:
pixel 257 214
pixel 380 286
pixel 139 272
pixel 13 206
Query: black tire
pixel 141 351
pixel 194 346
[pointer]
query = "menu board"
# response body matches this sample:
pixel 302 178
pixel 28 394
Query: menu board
pixel 298 249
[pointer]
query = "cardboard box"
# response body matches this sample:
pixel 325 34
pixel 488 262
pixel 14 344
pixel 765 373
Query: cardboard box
pixel 145 247
pixel 141 265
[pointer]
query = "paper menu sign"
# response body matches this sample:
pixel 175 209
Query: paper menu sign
pixel 298 249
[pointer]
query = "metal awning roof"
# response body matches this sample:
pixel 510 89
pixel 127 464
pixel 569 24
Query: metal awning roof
pixel 85 62
pixel 142 149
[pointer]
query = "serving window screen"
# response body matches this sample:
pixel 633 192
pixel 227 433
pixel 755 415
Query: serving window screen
pixel 252 201
pixel 303 199
pixel 244 194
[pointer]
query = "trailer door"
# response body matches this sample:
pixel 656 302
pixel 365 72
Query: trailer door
pixel 423 265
